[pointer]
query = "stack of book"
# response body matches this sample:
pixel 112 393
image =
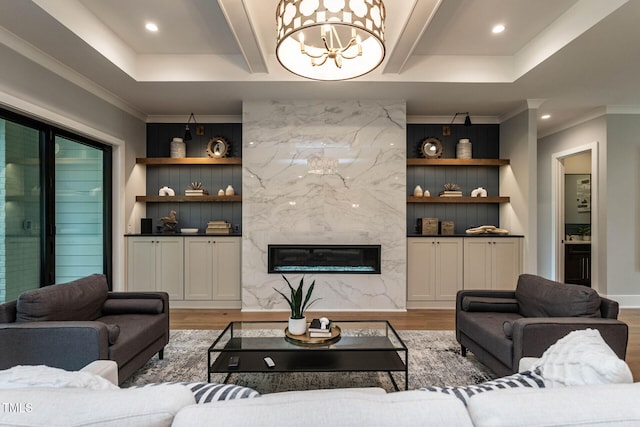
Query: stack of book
pixel 317 331
pixel 200 192
pixel 218 227
pixel 450 194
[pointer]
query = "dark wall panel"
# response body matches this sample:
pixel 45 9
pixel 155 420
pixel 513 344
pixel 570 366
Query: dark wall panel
pixel 485 145
pixel 178 178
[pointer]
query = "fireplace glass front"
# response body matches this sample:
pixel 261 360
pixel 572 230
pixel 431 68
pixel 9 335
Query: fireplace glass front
pixel 345 259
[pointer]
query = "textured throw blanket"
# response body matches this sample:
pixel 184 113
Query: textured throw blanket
pixel 45 376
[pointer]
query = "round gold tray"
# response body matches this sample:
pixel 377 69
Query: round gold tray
pixel 306 340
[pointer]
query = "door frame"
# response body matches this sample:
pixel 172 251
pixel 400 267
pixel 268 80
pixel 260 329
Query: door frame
pixel 557 206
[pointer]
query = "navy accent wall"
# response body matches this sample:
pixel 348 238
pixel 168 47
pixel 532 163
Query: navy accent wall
pixel 179 177
pixel 485 145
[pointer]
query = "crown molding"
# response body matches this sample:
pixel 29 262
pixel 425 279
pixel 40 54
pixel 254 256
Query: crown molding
pixel 438 120
pixel 199 118
pixel 51 64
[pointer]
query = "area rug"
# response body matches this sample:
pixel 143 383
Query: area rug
pixel 434 360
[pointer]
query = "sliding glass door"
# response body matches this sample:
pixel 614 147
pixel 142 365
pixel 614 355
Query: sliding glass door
pixel 79 210
pixel 20 209
pixel 55 205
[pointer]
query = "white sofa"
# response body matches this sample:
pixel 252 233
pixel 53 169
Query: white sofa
pixel 173 405
pixel 611 398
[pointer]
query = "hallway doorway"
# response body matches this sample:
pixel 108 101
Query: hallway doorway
pixel 575 215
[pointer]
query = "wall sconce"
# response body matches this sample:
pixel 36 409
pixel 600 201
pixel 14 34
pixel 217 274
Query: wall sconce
pixel 187 131
pixel 446 129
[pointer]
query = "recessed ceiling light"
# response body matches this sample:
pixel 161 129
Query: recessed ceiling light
pixel 151 27
pixel 497 29
pixel 545 116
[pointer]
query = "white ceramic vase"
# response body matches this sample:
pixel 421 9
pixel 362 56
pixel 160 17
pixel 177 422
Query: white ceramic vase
pixel 417 192
pixel 178 148
pixel 298 326
pixel 229 191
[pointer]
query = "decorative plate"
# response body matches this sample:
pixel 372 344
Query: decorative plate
pixel 217 147
pixel 306 341
pixel 431 148
pixel 189 230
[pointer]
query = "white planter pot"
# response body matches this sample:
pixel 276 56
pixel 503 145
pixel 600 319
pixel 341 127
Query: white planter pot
pixel 298 326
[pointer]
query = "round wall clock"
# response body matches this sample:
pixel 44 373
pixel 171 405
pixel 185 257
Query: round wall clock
pixel 431 148
pixel 217 147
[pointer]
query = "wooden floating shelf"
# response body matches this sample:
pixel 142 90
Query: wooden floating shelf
pixel 188 161
pixel 458 162
pixel 492 199
pixel 182 199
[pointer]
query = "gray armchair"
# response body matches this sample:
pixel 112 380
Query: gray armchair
pixel 70 325
pixel 501 327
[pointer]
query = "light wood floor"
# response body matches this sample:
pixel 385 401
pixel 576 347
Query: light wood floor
pixel 411 319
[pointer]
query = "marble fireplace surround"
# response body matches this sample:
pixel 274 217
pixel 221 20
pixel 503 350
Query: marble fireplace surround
pixel 324 172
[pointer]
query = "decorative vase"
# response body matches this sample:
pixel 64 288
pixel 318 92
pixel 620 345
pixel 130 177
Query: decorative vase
pixel 221 192
pixel 178 148
pixel 463 149
pixel 417 192
pixel 229 191
pixel 426 193
pixel 298 326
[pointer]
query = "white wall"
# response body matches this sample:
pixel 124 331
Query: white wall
pixel 364 203
pixel 594 130
pixel 32 90
pixel 623 209
pixel 518 181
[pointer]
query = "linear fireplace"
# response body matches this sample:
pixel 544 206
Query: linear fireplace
pixel 345 259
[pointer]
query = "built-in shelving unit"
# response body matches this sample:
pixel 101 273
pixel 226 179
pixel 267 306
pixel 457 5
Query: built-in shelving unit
pixel 458 162
pixel 214 174
pixel 186 161
pixel 490 199
pixel 163 161
pixel 189 199
pixel 432 174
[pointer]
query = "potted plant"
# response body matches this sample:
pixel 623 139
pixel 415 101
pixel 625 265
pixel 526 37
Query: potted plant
pixel 585 232
pixel 297 321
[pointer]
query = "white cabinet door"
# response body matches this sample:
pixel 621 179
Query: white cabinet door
pixel 169 266
pixel 199 268
pixel 155 264
pixel 141 264
pixel 421 260
pixel 226 273
pixel 492 263
pixel 212 268
pixel 477 263
pixel 507 262
pixel 448 271
pixel 434 268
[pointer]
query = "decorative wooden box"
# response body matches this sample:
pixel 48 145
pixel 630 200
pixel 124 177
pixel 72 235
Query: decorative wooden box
pixel 428 226
pixel 447 228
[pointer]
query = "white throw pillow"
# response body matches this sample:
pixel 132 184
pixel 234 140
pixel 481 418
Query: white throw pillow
pixel 580 358
pixel 45 376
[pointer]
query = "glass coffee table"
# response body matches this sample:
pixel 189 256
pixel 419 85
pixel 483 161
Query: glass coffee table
pixel 363 346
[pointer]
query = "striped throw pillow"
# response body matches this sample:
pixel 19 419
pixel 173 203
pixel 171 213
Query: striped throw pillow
pixel 523 379
pixel 211 392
